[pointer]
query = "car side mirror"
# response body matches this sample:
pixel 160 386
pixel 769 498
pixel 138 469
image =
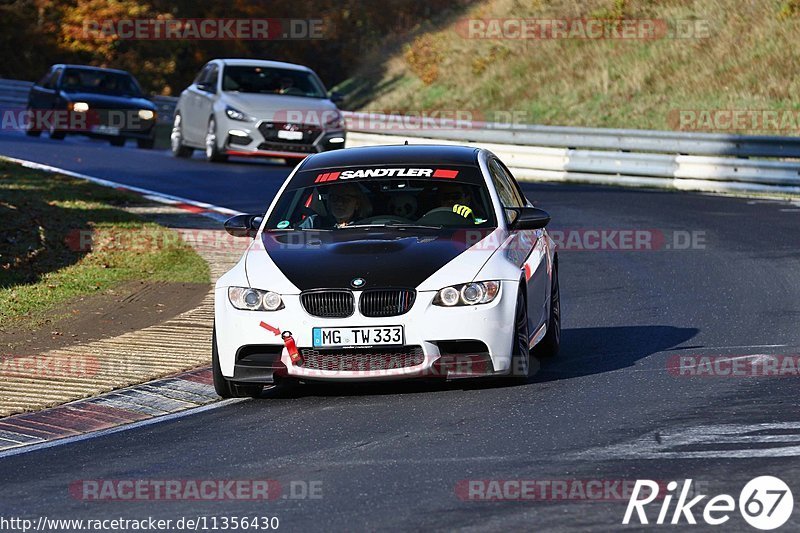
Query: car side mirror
pixel 206 87
pixel 243 225
pixel 336 97
pixel 530 218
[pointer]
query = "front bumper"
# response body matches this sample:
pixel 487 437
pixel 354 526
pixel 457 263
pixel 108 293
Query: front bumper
pixel 433 329
pixel 248 139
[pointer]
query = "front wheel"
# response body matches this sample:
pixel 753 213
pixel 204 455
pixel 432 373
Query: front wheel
pixel 550 344
pixel 213 153
pixel 176 139
pixel 521 368
pixel 222 385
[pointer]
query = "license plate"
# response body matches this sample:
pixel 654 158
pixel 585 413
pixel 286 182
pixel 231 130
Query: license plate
pixel 290 135
pixel 108 130
pixel 358 336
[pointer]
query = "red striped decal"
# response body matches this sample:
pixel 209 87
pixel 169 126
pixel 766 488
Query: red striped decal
pixel 320 178
pixel 333 176
pixel 441 173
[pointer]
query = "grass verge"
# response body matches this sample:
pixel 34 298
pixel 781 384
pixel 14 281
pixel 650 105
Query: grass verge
pixel 713 58
pixel 64 238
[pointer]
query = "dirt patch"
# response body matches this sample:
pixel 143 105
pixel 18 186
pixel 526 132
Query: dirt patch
pixel 127 307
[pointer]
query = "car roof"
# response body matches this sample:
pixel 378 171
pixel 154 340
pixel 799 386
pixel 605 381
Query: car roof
pixel 414 154
pixel 261 63
pixel 89 67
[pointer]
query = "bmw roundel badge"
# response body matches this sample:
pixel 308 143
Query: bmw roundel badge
pixel 357 283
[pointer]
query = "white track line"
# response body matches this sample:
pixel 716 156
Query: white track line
pixel 150 194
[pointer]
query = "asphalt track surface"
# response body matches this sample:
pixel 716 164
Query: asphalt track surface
pixel 392 456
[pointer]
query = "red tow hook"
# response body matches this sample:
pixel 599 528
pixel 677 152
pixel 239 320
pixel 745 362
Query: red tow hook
pixel 291 347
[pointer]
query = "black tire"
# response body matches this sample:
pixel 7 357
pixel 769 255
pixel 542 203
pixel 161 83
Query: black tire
pixel 224 387
pixel 29 130
pixel 117 141
pixel 55 134
pixel 550 344
pixel 212 151
pixel 176 139
pixel 522 367
pixel 145 144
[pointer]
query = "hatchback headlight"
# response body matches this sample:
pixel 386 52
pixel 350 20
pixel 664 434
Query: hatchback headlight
pixel 235 114
pixel 334 120
pixel 249 299
pixel 481 292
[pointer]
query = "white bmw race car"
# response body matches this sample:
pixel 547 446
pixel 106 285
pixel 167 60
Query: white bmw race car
pixel 388 262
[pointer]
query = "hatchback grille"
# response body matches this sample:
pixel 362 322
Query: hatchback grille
pixel 328 304
pixel 386 302
pixel 270 132
pixel 362 359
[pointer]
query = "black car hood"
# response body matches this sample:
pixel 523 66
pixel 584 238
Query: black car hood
pixel 108 101
pixel 389 258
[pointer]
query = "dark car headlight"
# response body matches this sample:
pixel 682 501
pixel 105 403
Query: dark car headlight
pixel 249 299
pixel 334 120
pixel 479 292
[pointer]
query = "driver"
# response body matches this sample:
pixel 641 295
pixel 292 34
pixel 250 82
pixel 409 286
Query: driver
pixel 346 204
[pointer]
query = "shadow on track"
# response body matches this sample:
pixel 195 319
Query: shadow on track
pixel 587 351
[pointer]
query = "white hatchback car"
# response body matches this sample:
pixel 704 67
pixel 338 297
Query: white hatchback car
pixel 248 107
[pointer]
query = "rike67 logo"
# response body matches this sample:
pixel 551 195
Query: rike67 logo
pixel 765 503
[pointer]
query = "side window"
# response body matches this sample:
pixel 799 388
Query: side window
pixel 211 77
pixel 513 183
pixel 508 193
pixel 201 75
pixel 43 82
pixel 51 79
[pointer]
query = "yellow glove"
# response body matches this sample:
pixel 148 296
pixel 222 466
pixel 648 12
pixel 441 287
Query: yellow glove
pixel 463 210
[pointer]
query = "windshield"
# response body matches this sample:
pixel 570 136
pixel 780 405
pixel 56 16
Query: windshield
pixel 415 203
pixel 264 80
pixel 100 82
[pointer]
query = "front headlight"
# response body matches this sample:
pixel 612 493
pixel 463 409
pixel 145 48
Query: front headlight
pixel 78 107
pixel 146 114
pixel 235 114
pixel 480 292
pixel 249 299
pixel 334 120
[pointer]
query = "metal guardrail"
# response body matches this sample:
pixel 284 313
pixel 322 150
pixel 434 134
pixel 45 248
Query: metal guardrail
pixel 698 161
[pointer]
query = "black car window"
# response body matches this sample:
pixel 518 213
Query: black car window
pixel 265 80
pixel 99 82
pixel 51 79
pixel 506 190
pixel 201 75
